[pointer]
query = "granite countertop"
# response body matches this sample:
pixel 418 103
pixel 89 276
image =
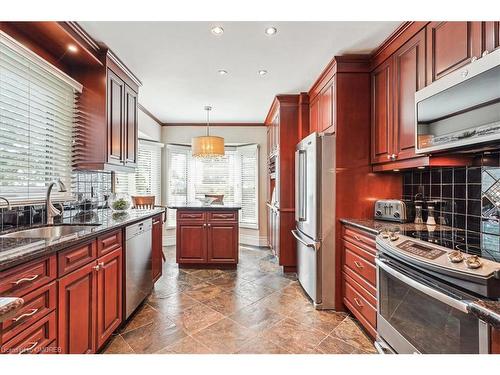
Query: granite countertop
pixel 487 311
pixel 14 251
pixel 376 226
pixel 201 207
pixel 9 306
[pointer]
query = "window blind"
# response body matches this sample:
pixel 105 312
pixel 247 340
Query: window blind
pixel 146 180
pixel 38 104
pixel 235 176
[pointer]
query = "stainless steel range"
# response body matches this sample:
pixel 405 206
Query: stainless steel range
pixel 423 291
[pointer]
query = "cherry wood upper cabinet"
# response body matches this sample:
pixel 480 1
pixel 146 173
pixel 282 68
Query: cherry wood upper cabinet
pixel 492 35
pixel 409 77
pixel 109 295
pixel 314 116
pixel 116 92
pixel 130 127
pixel 382 126
pixel 451 45
pixel 326 107
pixel 76 311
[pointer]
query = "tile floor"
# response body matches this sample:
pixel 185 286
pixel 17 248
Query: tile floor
pixel 255 309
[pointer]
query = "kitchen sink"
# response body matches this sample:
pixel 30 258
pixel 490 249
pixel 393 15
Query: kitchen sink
pixel 47 232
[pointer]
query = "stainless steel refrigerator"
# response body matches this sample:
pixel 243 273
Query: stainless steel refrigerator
pixel 315 218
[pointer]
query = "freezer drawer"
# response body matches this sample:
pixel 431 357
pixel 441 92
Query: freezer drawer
pixel 308 266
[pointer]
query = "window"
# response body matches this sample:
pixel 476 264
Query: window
pixel 146 180
pixel 235 176
pixel 37 112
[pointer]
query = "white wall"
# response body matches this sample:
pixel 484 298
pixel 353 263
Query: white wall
pixel 148 128
pixel 231 134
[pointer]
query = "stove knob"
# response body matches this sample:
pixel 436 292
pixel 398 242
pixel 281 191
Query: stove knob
pixel 397 215
pixel 394 237
pixel 378 213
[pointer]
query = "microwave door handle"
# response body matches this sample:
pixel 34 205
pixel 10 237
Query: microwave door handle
pixel 455 303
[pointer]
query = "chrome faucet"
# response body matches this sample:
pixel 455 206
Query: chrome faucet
pixel 52 211
pixel 6 201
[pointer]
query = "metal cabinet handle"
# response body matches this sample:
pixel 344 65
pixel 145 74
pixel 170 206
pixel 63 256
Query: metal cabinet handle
pixel 101 265
pixel 357 264
pixel 97 268
pixel 209 225
pixel 358 238
pixel 29 349
pixel 358 302
pixel 25 315
pixel 25 279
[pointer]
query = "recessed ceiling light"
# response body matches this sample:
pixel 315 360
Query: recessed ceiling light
pixel 222 72
pixel 217 30
pixel 262 72
pixel 271 30
pixel 72 48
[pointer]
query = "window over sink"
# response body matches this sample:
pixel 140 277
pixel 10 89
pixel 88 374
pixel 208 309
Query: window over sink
pixel 38 110
pixel 235 176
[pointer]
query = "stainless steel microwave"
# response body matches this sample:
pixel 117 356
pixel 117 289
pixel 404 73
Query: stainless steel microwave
pixel 462 109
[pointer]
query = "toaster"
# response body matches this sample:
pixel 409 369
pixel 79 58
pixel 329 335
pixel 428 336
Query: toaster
pixel 394 210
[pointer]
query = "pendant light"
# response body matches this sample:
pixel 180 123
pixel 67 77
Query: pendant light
pixel 207 146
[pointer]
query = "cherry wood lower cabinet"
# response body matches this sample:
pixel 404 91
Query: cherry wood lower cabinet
pixel 359 276
pixel 207 237
pixel 157 245
pixel 495 341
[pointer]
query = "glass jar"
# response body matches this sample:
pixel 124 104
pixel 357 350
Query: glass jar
pixel 120 202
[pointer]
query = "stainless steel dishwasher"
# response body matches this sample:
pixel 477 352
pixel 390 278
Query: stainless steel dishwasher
pixel 138 271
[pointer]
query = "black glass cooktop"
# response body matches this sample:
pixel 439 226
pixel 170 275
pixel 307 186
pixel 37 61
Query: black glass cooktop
pixel 473 243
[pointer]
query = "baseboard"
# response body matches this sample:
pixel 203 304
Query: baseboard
pixel 244 239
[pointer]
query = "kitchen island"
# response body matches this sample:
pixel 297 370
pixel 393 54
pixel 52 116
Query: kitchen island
pixel 207 236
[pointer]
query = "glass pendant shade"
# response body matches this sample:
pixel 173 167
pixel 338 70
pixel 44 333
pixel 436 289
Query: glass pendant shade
pixel 207 146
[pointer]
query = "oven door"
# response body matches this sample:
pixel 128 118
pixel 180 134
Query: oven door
pixel 415 315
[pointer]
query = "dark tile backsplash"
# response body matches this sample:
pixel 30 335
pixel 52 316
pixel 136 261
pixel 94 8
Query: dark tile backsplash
pixel 89 188
pixel 465 198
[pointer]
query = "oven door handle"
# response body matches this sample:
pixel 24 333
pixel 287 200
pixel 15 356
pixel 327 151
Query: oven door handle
pixel 450 301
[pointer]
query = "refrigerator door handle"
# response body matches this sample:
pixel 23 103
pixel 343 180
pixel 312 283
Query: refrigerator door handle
pixel 314 245
pixel 300 183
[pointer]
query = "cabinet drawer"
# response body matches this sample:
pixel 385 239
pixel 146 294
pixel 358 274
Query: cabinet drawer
pixel 37 304
pixel 223 216
pixel 359 305
pixel 40 337
pixel 359 264
pixel 109 242
pixel 18 281
pixel 75 257
pixel 362 239
pixel 190 216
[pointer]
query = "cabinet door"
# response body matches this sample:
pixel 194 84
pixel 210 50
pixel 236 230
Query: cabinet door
pixel 223 243
pixel 409 77
pixel 326 108
pixel 115 108
pixel 109 295
pixel 382 127
pixel 492 35
pixel 191 242
pixel 495 341
pixel 314 116
pixel 451 45
pixel 77 311
pixel 157 258
pixel 130 127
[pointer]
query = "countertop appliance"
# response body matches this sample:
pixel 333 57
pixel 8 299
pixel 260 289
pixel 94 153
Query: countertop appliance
pixel 461 109
pixel 423 290
pixel 315 218
pixel 394 210
pixel 138 266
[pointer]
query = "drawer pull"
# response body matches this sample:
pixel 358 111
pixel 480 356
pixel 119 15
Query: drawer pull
pixel 357 264
pixel 358 239
pixel 191 216
pixel 96 268
pixel 29 349
pixel 25 279
pixel 358 302
pixel 25 315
